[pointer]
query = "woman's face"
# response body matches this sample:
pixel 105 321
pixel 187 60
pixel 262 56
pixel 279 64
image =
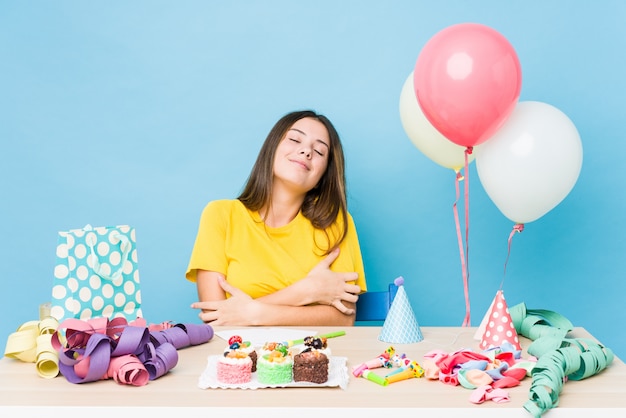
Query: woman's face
pixel 302 155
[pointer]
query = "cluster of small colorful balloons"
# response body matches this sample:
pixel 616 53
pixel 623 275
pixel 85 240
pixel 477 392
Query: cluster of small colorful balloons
pixel 463 95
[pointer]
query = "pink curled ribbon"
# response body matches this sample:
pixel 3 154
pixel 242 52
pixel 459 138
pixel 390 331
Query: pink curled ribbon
pixel 517 228
pixel 464 255
pixel 129 353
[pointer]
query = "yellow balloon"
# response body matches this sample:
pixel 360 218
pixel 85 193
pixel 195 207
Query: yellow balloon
pixel 425 136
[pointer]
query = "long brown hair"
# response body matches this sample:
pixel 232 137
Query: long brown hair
pixel 323 204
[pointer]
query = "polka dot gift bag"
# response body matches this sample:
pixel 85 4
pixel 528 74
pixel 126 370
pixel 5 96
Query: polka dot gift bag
pixel 96 274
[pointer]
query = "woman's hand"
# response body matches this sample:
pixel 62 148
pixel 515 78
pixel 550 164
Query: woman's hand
pixel 321 286
pixel 239 309
pixel 327 287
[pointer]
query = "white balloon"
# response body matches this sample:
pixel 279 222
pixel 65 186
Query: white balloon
pixel 532 162
pixel 425 136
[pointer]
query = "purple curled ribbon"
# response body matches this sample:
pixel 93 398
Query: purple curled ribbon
pixel 130 354
pixel 184 335
pixel 165 358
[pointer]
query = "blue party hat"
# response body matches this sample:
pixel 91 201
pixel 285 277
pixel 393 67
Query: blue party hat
pixel 400 326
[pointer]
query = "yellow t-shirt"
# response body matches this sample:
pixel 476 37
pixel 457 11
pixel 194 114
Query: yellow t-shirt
pixel 261 260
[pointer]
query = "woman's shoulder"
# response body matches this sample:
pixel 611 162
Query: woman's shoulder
pixel 349 219
pixel 224 206
pixel 224 210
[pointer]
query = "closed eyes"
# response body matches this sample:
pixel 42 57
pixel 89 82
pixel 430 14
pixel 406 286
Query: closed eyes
pixel 317 151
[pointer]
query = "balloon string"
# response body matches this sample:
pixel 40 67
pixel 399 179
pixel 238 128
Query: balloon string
pixel 458 178
pixel 516 228
pixel 464 254
pixel 467 322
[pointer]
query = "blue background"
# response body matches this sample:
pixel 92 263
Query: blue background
pixel 140 112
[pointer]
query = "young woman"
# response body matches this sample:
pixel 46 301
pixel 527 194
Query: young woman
pixel 286 251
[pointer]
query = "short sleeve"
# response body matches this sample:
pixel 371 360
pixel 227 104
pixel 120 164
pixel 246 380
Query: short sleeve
pixel 350 258
pixel 208 252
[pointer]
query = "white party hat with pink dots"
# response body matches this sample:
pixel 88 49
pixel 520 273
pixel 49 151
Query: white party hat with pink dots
pixel 498 326
pixel 400 326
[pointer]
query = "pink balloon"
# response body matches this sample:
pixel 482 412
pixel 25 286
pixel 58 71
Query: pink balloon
pixel 467 80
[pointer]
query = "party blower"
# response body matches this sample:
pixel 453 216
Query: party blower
pixel 409 371
pixel 383 360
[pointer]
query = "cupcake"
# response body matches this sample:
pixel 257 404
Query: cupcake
pixel 235 366
pixel 274 365
pixel 312 363
pixel 236 343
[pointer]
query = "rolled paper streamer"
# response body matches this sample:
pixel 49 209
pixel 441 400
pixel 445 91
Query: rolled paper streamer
pixel 92 365
pixel 47 361
pixel 198 333
pixel 153 327
pixel 181 335
pixel 158 337
pixel 31 340
pixel 129 341
pixel 48 325
pixel 47 365
pixel 128 370
pixel 176 336
pixel 129 352
pixel 22 344
pixel 373 377
pixel 165 358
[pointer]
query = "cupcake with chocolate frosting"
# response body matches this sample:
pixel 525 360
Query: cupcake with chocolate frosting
pixel 312 363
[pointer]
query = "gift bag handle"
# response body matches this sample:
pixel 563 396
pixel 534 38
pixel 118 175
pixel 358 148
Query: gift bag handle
pixel 124 246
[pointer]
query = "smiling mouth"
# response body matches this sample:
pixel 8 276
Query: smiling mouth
pixel 301 164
